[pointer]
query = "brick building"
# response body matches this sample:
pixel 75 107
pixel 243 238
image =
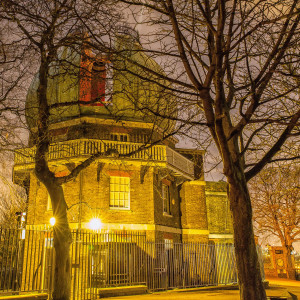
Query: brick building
pixel 159 189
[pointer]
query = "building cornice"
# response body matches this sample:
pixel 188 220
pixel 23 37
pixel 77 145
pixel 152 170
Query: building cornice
pixel 220 236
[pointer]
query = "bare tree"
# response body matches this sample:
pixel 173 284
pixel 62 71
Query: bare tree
pixel 276 206
pixel 232 66
pixel 51 34
pixel 12 82
pixel 41 30
pixel 12 202
pixel 225 65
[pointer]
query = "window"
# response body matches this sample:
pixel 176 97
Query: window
pixel 166 199
pixel 141 138
pixel 169 244
pixel 119 137
pixel 119 192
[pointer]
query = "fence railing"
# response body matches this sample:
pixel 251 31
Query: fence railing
pixel 87 147
pixel 187 265
pixel 101 259
pixel 26 264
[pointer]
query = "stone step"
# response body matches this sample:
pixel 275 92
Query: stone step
pixel 122 291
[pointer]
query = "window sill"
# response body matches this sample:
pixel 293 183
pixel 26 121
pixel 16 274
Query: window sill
pixel 120 208
pixel 167 215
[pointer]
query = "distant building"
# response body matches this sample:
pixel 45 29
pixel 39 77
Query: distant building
pixel 276 263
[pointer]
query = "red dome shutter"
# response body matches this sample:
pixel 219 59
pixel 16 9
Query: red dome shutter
pixel 98 84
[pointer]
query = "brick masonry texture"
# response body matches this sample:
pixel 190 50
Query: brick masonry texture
pixel 94 196
pixel 193 206
pixel 218 209
pixel 172 219
pixel 218 214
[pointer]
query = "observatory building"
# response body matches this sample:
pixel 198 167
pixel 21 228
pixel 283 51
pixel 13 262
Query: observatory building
pixel 142 182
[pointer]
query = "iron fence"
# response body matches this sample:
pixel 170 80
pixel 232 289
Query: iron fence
pixel 186 265
pixel 101 259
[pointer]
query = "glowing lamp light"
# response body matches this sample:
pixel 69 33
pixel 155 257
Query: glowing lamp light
pixel 95 224
pixel 52 221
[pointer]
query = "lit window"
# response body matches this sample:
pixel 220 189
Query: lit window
pixel 119 192
pixel 166 199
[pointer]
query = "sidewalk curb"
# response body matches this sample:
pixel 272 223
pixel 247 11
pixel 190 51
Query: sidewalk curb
pixel 210 288
pixel 203 288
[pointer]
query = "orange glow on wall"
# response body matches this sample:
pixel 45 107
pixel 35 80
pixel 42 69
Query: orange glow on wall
pixel 118 173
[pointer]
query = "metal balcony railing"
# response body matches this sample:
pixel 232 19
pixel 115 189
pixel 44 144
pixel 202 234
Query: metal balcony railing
pixel 126 150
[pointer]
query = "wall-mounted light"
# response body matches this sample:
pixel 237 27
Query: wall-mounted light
pixel 95 224
pixel 52 221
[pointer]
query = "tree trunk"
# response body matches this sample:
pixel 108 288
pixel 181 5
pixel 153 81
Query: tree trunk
pixel 249 275
pixel 62 273
pixel 62 243
pixel 291 273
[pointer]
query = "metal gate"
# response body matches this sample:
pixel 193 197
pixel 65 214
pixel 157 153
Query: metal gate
pixel 186 265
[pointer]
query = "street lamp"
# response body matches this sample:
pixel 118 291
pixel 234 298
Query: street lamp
pixel 52 221
pixel 95 224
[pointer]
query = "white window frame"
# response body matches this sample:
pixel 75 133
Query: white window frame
pixel 113 191
pixel 166 198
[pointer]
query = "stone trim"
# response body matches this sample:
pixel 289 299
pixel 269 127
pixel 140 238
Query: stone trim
pixel 167 229
pixel 220 236
pixel 117 226
pixel 148 227
pixel 216 193
pixel 196 182
pixel 103 121
pixel 100 121
pixel 195 231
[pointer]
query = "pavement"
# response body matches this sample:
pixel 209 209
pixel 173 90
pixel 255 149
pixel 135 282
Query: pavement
pixel 277 287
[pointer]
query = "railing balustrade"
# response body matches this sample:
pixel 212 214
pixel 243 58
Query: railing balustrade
pixel 85 148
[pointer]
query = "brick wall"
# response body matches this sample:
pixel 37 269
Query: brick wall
pixel 218 208
pixel 161 218
pixel 95 197
pixel 96 193
pixel 193 205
